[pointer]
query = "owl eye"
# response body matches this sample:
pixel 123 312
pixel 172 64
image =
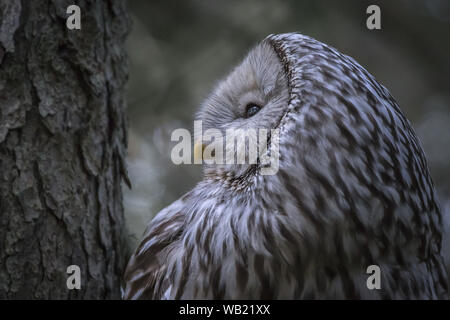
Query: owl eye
pixel 251 110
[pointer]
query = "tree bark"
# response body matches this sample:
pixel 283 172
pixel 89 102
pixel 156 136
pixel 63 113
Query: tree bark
pixel 62 148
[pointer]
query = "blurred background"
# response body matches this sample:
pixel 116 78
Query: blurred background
pixel 179 50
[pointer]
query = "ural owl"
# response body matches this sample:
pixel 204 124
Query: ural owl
pixel 352 190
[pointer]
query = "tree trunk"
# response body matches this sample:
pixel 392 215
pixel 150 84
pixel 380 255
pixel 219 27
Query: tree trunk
pixel 62 148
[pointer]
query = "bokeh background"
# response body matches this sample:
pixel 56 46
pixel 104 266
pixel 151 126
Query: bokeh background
pixel 179 50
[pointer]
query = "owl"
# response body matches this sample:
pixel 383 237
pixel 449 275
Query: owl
pixel 352 190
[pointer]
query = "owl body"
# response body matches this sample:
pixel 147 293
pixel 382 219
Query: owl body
pixel 352 190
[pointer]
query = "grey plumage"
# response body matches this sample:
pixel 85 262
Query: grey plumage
pixel 353 189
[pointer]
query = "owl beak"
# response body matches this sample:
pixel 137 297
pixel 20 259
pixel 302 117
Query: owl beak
pixel 199 147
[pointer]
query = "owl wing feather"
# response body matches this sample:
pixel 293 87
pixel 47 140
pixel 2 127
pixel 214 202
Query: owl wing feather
pixel 147 273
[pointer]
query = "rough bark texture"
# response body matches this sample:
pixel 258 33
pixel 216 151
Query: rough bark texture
pixel 62 147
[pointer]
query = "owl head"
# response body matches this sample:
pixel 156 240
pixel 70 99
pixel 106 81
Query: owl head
pixel 242 109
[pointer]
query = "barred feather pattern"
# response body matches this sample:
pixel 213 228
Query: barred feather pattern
pixel 353 189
